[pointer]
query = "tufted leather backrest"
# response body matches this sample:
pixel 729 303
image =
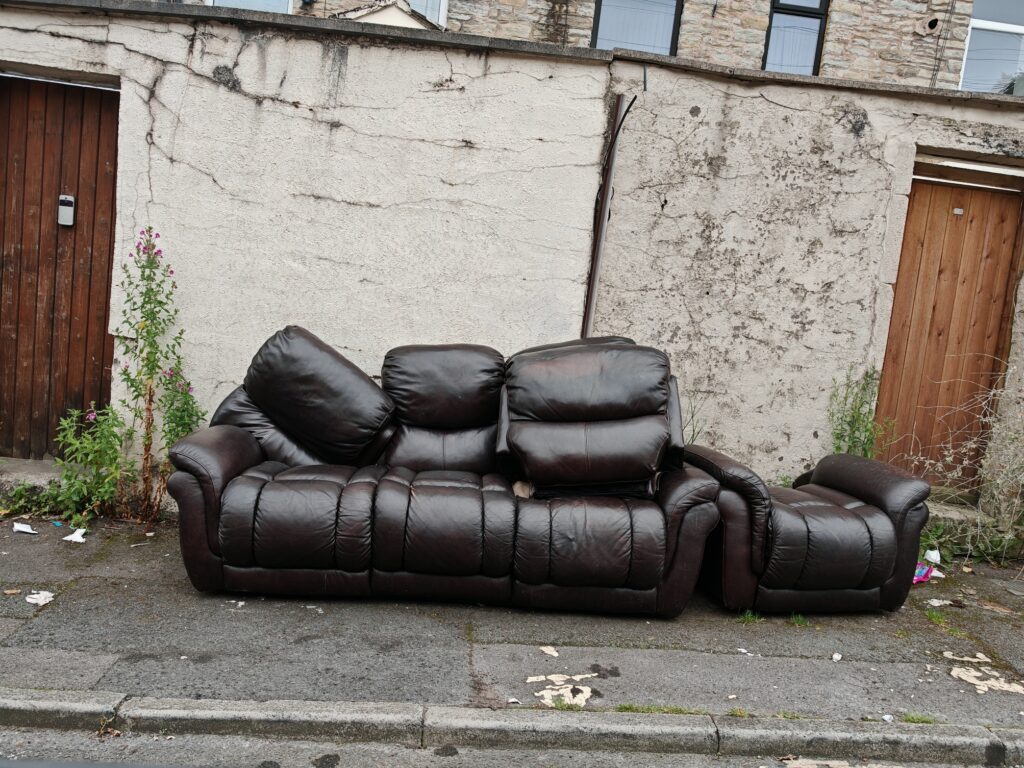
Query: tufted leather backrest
pixel 588 416
pixel 305 403
pixel 446 403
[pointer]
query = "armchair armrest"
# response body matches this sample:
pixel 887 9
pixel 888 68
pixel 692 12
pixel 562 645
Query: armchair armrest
pixel 676 445
pixel 745 482
pixel 678 492
pixel 874 482
pixel 215 456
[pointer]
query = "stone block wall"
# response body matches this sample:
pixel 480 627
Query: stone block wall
pixel 564 22
pixel 893 42
pixel 730 33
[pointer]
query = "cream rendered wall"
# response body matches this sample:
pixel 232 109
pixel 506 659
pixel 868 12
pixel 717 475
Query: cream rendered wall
pixel 755 234
pixel 376 195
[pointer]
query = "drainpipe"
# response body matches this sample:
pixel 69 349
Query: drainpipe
pixel 601 209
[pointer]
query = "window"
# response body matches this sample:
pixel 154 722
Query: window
pixel 994 61
pixel 640 25
pixel 796 29
pixel 435 10
pixel 270 6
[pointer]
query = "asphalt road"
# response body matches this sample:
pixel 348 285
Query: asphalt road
pixel 238 752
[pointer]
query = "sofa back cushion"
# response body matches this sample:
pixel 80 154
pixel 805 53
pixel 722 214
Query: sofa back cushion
pixel 319 399
pixel 239 410
pixel 588 415
pixel 446 405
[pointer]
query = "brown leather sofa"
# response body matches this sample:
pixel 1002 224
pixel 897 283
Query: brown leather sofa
pixel 314 480
pixel 845 537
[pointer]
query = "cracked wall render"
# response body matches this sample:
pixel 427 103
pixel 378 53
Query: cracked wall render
pixel 755 234
pixel 376 195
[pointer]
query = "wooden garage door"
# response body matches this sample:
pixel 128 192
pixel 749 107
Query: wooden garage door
pixel 55 352
pixel 951 316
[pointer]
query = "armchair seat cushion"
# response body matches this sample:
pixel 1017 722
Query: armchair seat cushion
pixel 590 541
pixel 314 517
pixel 819 538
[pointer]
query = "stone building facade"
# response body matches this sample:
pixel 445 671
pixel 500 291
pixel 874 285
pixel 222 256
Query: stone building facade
pixel 906 42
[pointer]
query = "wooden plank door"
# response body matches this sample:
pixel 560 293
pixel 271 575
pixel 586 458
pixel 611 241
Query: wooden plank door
pixel 55 352
pixel 949 330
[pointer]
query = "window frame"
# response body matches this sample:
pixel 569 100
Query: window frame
pixel 988 26
pixel 821 13
pixel 676 25
pixel 442 15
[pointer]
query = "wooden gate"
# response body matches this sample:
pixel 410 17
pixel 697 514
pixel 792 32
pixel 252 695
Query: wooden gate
pixel 55 352
pixel 949 332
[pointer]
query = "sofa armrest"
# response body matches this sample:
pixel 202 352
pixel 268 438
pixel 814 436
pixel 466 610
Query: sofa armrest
pixel 676 445
pixel 215 456
pixel 679 491
pixel 745 482
pixel 874 482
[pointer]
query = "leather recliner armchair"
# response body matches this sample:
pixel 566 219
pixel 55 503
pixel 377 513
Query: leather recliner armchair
pixel 845 537
pixel 314 480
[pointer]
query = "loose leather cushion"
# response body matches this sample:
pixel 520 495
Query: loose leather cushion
pixel 628 450
pixel 420 449
pixel 305 517
pixel 595 382
pixel 452 386
pixel 319 398
pixel 444 523
pixel 239 410
pixel 590 542
pixel 815 544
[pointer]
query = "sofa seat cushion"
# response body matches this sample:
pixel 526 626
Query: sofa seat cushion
pixel 590 542
pixel 313 517
pixel 826 540
pixel 443 522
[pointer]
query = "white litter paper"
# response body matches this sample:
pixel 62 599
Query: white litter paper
pixel 40 597
pixel 24 528
pixel 837 657
pixel 979 658
pixel 549 650
pixel 78 536
pixel 936 603
pixel 933 556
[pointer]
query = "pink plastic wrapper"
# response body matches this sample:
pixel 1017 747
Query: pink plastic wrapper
pixel 922 573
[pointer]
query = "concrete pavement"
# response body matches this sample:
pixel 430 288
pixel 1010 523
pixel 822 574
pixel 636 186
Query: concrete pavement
pixel 125 621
